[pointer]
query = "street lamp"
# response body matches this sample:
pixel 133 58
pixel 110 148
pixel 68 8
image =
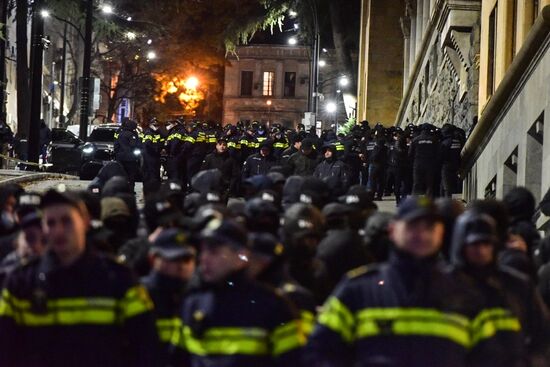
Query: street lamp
pixel 292 41
pixel 331 107
pixel 322 63
pixel 131 36
pixel 107 9
pixel 292 14
pixel 344 81
pixel 151 55
pixel 44 13
pixel 192 82
pixel 149 41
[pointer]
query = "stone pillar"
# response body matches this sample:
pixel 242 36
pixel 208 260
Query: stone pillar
pixel 426 16
pixel 410 11
pixel 406 29
pixel 432 7
pixel 419 24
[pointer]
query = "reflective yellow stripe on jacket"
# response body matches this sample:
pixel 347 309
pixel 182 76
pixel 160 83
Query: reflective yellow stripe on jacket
pixel 75 311
pixel 245 341
pixel 374 322
pixel 167 328
pixel 491 321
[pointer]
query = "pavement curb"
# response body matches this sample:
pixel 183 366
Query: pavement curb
pixel 36 177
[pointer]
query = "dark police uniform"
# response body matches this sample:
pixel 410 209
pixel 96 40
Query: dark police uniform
pixel 92 313
pixel 423 153
pixel 239 323
pixel 125 144
pixel 450 149
pixel 153 142
pixel 404 313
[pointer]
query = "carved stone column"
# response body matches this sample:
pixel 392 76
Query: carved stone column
pixel 410 12
pixel 406 29
pixel 419 24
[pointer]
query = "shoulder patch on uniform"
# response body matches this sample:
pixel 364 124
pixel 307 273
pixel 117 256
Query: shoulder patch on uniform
pixel 362 270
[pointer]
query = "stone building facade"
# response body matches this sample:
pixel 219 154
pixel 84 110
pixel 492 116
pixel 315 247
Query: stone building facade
pixel 441 62
pixel 509 145
pixel 267 83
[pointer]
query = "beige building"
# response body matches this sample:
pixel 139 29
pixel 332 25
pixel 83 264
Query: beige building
pixel 509 146
pixel 267 83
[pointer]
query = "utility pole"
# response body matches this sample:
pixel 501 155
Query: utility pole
pixel 4 21
pixel 86 72
pixel 63 76
pixel 37 48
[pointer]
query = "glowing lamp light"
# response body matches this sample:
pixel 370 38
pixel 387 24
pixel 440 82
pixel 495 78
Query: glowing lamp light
pixel 192 82
pixel 107 9
pixel 269 102
pixel 131 36
pixel 322 63
pixel 344 81
pixel 44 13
pixel 292 13
pixel 292 41
pixel 151 55
pixel 331 107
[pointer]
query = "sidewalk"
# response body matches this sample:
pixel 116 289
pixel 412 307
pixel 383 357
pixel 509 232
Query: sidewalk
pixel 9 176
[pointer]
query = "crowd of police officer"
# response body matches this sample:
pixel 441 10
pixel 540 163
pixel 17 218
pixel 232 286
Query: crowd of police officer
pixel 417 160
pixel 263 259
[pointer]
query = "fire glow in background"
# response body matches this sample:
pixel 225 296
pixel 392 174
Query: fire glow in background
pixel 185 89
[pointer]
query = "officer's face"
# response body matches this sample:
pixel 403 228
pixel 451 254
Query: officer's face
pixel 221 147
pixel 216 263
pixel 421 237
pixel 181 269
pixel 479 254
pixel 34 240
pixel 65 228
pixel 328 154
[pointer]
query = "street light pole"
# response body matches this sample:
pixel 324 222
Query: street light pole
pixel 3 20
pixel 86 72
pixel 63 76
pixel 37 48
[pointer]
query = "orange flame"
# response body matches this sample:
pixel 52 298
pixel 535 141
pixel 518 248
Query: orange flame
pixel 186 90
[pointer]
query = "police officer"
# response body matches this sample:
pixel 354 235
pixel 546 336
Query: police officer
pixel 513 325
pixel 259 163
pixel 267 265
pixel 73 307
pixel 406 312
pixel 127 149
pixel 422 153
pixel 397 160
pixel 377 165
pixel 173 264
pixel 303 162
pixel 230 320
pixel 153 143
pixel 332 171
pixel 176 143
pixel 280 143
pixel 450 148
pixel 222 160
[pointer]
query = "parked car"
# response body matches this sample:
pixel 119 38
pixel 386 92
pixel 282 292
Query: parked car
pixel 98 150
pixel 63 152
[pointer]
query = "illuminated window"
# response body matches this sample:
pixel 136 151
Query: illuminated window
pixel 269 78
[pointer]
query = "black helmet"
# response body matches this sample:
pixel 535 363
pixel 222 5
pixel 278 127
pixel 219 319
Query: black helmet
pixel 301 220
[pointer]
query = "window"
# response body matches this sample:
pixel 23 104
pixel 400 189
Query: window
pixel 290 85
pixel 491 53
pixel 269 78
pixel 246 83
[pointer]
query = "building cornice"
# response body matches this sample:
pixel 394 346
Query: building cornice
pixel 523 65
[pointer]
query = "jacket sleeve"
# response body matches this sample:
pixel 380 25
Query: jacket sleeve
pixel 330 345
pixel 246 169
pixel 139 326
pixel 11 341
